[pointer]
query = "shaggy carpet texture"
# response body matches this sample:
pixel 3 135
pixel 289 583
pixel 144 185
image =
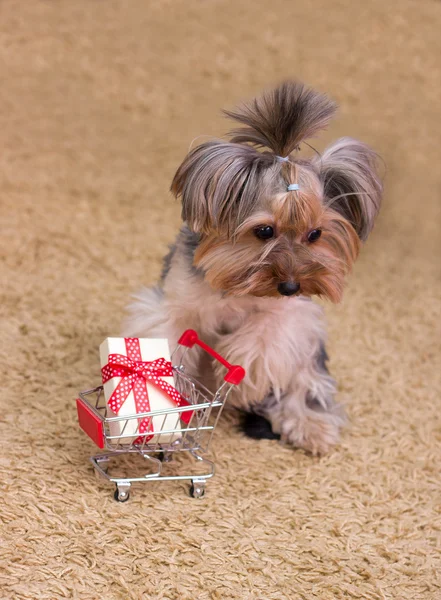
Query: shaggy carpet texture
pixel 99 102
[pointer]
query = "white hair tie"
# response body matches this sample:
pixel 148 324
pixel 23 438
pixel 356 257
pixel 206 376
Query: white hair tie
pixel 282 158
pixel 293 186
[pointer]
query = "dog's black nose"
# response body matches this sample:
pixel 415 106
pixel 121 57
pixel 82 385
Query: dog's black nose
pixel 288 288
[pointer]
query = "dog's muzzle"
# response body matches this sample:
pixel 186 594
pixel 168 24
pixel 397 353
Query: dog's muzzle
pixel 288 288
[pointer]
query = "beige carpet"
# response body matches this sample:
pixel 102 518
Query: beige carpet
pixel 99 101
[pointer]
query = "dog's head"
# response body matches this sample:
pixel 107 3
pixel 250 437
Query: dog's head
pixel 271 223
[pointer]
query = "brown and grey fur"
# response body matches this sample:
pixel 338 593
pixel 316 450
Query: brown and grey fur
pixel 223 281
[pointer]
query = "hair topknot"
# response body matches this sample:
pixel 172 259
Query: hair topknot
pixel 221 183
pixel 282 118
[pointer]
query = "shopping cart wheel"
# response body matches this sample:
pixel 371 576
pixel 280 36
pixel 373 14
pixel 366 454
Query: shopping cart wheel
pixel 122 494
pixel 197 489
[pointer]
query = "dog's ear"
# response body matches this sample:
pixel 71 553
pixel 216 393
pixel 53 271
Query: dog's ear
pixel 218 183
pixel 352 187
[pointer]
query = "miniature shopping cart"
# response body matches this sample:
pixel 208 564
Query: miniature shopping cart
pixel 194 424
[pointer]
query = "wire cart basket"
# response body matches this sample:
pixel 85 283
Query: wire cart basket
pixel 191 430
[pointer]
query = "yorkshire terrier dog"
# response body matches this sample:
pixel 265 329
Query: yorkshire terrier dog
pixel 264 231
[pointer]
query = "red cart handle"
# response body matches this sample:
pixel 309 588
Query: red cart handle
pixel 235 373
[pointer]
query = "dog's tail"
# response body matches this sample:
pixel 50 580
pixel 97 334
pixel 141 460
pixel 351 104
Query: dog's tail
pixel 282 118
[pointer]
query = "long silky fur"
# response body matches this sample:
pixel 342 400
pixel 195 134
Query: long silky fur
pixel 220 184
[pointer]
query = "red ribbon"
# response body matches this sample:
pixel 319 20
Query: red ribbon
pixel 135 373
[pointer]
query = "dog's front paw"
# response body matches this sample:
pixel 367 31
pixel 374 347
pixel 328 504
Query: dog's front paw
pixel 316 432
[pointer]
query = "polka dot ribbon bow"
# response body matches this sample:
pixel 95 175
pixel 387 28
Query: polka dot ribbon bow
pixel 135 374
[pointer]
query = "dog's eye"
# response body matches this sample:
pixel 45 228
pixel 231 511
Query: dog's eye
pixel 264 232
pixel 314 235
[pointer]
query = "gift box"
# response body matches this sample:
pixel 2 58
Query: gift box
pixel 138 378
